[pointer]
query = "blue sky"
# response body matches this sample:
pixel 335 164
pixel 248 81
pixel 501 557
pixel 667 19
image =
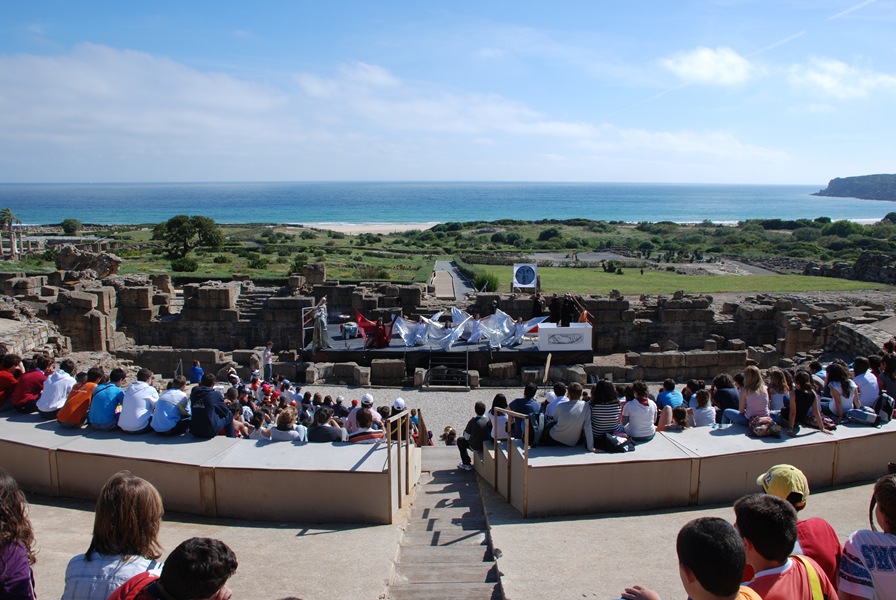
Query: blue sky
pixel 726 91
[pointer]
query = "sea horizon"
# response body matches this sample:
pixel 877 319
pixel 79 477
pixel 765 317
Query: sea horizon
pixel 317 204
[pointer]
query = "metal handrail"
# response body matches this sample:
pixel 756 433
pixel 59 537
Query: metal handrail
pixel 511 417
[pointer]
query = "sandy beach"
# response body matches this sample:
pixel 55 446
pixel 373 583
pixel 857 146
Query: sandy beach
pixel 358 229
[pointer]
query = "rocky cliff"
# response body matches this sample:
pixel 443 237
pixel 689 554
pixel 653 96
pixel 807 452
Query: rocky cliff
pixel 869 187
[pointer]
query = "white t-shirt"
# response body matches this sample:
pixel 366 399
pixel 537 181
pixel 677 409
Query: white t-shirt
pixel 869 390
pixel 640 418
pixel 866 568
pixel 845 401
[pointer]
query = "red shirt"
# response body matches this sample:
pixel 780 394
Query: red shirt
pixel 29 387
pixel 820 543
pixel 791 582
pixel 8 383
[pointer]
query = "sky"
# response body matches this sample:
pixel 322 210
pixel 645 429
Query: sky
pixel 724 91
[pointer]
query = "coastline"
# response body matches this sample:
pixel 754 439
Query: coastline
pixel 359 228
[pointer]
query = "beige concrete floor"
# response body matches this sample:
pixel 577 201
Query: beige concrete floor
pixel 579 557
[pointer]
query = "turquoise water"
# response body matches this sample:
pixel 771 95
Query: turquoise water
pixel 418 202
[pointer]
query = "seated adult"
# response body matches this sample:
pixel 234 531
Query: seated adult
pixel 56 389
pixel 528 406
pixel 102 414
pixel 10 371
pixel 210 415
pixel 351 422
pixel 639 414
pixel 815 537
pixel 572 421
pixel 172 414
pixel 73 413
pixel 198 569
pixel 365 434
pixel 137 404
pixel 379 338
pixel 286 429
pixel 325 429
pixel 605 408
pixel 669 396
pixel 30 384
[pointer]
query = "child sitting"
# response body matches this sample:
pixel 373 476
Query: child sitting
pixel 704 413
pixel 867 569
pixel 711 560
pixel 768 526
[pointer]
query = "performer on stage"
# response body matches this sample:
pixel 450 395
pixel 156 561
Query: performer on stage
pixel 475 329
pixel 379 338
pixel 321 339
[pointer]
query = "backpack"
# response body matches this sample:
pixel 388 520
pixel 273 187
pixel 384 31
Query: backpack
pixel 884 407
pixel 614 444
pixel 863 416
pixel 764 427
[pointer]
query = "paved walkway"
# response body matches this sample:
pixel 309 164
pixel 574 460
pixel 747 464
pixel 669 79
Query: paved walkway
pixel 553 558
pixel 450 282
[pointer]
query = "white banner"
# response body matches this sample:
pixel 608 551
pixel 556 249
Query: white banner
pixel 525 276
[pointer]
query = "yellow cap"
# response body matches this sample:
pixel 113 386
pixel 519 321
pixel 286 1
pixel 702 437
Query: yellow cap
pixel 783 480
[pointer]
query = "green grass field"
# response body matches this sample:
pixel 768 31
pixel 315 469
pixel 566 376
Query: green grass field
pixel 595 281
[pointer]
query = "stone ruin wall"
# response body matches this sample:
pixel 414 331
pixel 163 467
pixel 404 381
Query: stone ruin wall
pixel 139 318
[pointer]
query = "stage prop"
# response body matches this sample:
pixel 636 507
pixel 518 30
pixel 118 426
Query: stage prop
pixel 552 337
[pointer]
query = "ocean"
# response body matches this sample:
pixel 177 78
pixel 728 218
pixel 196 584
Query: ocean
pixel 322 203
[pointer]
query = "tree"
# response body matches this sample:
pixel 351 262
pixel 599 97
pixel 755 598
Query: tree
pixel 71 226
pixel 182 233
pixel 8 219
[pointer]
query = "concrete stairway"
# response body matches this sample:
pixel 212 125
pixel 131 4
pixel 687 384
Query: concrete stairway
pixel 446 549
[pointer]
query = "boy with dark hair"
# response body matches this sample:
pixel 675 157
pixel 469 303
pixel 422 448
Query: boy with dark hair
pixel 768 526
pixel 528 406
pixel 210 415
pixel 106 398
pixel 198 569
pixel 711 561
pixel 476 432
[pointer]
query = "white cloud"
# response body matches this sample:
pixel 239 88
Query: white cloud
pixel 840 80
pixel 719 66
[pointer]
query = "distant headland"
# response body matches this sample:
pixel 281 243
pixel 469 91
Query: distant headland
pixel 867 187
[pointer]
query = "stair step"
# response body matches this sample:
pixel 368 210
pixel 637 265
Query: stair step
pixel 424 554
pixel 457 591
pixel 447 573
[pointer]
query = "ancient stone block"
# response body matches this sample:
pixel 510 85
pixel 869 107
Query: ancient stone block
pixel 532 375
pixel 737 344
pixel 574 373
pixel 344 370
pixel 419 377
pixel 710 345
pixel 502 371
pixel 473 378
pixel 361 376
pixel 82 301
pixel 386 370
pixel 315 273
pixel 632 358
pixel 135 297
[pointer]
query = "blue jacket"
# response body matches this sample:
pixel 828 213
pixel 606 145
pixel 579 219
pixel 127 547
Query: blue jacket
pixel 106 398
pixel 210 413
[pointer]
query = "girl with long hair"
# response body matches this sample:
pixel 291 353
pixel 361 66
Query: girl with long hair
pixel 16 542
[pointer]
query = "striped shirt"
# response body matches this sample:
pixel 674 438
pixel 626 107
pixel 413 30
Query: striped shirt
pixel 604 418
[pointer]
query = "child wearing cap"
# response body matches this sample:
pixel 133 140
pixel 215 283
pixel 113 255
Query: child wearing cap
pixel 768 526
pixel 711 559
pixel 868 568
pixel 815 537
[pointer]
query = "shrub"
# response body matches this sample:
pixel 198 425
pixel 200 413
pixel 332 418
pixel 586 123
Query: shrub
pixel 221 259
pixel 184 265
pixel 549 233
pixel 71 226
pixel 488 281
pixel 258 262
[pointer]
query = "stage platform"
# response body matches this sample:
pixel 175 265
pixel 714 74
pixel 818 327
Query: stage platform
pixel 220 477
pixel 680 468
pixel 479 356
